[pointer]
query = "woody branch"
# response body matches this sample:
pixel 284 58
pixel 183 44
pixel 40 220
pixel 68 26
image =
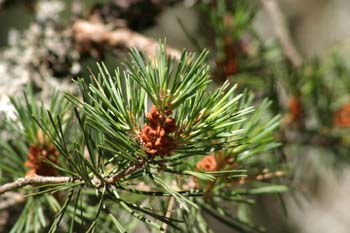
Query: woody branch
pixel 282 33
pixel 9 199
pixel 31 180
pixel 36 179
pixel 97 32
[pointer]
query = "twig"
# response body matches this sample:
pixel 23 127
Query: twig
pixel 170 208
pixel 10 199
pixel 112 179
pixel 282 32
pixel 86 32
pixel 169 211
pixel 30 180
pixel 77 8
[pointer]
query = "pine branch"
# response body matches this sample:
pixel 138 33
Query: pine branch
pixel 127 140
pixel 31 180
pixel 282 32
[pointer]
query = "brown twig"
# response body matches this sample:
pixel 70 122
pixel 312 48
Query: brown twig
pixel 36 179
pixel 30 180
pixel 10 199
pixel 95 32
pixel 282 32
pixel 171 205
pixel 168 213
pixel 114 178
pixel 77 8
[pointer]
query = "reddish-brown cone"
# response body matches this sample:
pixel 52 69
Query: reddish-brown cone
pixel 342 116
pixel 229 65
pixel 155 135
pixel 36 162
pixel 208 163
pixel 295 110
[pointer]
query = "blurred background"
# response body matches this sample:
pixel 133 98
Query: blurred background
pixel 295 52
